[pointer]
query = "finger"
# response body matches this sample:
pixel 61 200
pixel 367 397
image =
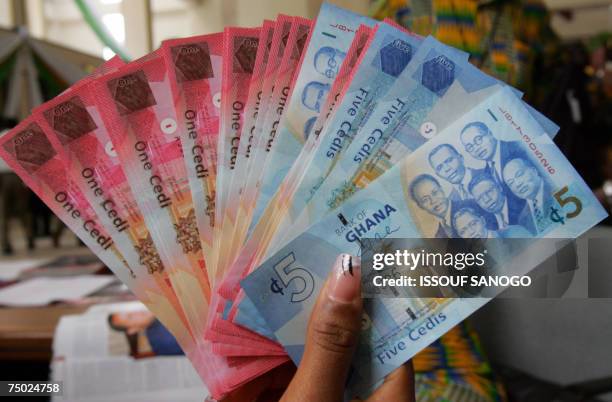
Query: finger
pixel 398 386
pixel 332 335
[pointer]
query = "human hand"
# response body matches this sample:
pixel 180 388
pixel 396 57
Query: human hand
pixel 332 336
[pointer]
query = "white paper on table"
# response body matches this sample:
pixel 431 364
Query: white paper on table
pixel 158 379
pixel 86 335
pixel 90 372
pixel 42 291
pixel 10 270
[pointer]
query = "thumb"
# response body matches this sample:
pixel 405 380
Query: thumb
pixel 333 332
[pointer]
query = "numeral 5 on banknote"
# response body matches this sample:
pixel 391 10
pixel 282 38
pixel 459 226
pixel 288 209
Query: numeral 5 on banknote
pixel 420 197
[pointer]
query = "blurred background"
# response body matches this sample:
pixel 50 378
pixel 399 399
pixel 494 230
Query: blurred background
pixel 558 52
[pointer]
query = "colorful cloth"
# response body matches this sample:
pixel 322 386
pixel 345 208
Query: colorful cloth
pixel 501 37
pixel 455 369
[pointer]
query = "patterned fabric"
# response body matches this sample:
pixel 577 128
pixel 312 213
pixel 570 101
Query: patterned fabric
pixel 455 369
pixel 502 38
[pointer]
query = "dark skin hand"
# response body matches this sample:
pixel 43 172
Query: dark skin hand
pixel 333 332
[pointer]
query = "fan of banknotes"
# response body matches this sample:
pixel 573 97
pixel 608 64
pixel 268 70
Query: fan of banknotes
pixel 220 176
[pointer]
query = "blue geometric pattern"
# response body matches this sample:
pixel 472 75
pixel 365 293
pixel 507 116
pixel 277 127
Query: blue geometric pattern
pixel 438 74
pixel 394 57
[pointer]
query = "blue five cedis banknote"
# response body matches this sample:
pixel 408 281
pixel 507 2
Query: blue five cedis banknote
pixel 388 55
pixel 332 36
pixel 431 73
pixel 433 91
pixel 389 52
pixel 437 87
pixel 537 193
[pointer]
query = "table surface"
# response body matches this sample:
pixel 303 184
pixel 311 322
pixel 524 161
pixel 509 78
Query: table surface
pixel 26 333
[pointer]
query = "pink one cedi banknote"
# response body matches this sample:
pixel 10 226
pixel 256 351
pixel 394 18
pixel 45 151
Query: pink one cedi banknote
pixel 28 152
pixel 285 51
pixel 136 106
pixel 254 105
pixel 74 127
pixel 227 338
pixel 279 40
pixel 218 326
pixel 237 73
pixel 249 192
pixel 298 34
pixel 194 68
pixel 239 51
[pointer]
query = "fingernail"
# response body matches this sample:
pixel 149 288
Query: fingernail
pixel 344 284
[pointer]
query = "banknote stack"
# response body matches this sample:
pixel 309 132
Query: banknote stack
pixel 220 176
